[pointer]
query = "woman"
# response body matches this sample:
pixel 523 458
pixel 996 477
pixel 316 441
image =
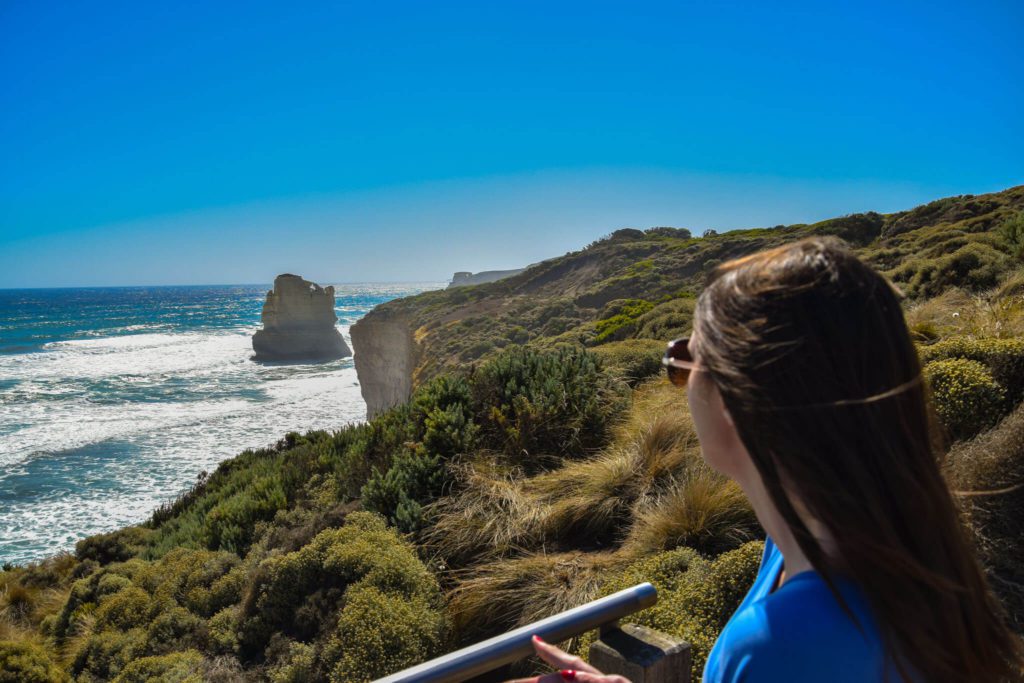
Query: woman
pixel 805 388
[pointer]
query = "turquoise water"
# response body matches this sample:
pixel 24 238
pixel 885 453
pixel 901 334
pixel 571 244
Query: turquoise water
pixel 112 400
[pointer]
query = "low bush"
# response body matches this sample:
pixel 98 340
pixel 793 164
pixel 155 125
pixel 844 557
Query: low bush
pixel 418 471
pixel 966 397
pixel 619 318
pixel 380 632
pixel 26 662
pixel 116 546
pixel 632 360
pixel 415 478
pixel 1012 231
pixel 1004 359
pixel 177 667
pixel 103 655
pixel 230 524
pixel 974 266
pixel 667 321
pixel 304 595
pixel 696 596
pixel 534 403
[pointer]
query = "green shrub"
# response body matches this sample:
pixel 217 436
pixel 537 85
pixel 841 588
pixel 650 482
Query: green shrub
pixel 974 266
pixel 222 631
pixel 177 667
pixel 24 662
pixel 667 321
pixel 632 360
pixel 104 654
pixel 116 546
pixel 194 579
pixel 1004 358
pixel 415 478
pixel 379 633
pixel 301 595
pixel 696 596
pixel 1012 231
pixel 297 666
pixel 175 629
pixel 618 319
pixel 87 592
pixel 124 609
pixel 535 403
pixel 418 471
pixel 230 524
pixel 966 397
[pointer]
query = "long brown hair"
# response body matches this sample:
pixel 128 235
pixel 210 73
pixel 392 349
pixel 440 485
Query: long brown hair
pixel 811 353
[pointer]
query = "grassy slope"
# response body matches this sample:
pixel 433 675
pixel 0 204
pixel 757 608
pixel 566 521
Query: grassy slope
pixel 263 572
pixel 566 299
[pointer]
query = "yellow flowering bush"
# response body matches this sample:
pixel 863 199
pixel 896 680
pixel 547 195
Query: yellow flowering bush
pixel 358 593
pixel 696 596
pixel 25 662
pixel 966 396
pixel 1004 358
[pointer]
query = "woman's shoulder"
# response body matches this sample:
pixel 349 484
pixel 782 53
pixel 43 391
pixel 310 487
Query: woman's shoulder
pixel 799 633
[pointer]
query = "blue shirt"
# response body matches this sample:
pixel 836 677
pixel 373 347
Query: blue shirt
pixel 797 634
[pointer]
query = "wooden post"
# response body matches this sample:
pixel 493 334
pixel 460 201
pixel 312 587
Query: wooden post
pixel 642 655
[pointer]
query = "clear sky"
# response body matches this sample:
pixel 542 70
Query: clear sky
pixel 219 142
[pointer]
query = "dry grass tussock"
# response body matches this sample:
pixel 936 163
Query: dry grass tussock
pixel 989 474
pixel 501 596
pixel 997 313
pixel 702 511
pixel 522 548
pixel 651 474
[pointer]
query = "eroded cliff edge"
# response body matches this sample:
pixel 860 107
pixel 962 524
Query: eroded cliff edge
pixel 385 359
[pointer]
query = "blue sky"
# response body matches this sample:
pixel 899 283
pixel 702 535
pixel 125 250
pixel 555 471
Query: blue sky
pixel 167 143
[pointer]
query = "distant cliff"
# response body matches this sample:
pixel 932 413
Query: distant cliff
pixel 463 277
pixel 640 284
pixel 298 323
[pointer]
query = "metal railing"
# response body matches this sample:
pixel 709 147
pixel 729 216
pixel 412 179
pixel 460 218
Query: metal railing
pixel 515 645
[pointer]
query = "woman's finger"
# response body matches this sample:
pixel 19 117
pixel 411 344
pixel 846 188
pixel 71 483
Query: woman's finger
pixel 556 677
pixel 572 675
pixel 560 659
pixel 587 677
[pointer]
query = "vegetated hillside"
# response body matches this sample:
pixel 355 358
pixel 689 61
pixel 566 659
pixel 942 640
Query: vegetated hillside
pixel 558 469
pixel 639 284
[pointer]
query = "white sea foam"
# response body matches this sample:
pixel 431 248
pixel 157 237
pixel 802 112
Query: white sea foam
pixel 105 429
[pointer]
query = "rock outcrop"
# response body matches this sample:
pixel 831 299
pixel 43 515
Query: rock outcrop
pixel 298 323
pixel 464 277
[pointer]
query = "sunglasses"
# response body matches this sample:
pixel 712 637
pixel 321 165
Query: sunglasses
pixel 678 362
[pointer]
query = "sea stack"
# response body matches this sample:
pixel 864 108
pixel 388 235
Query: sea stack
pixel 298 323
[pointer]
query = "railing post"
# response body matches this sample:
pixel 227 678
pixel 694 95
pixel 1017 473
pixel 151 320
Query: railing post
pixel 642 655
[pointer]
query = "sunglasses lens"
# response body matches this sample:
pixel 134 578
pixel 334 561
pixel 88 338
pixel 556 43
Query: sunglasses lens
pixel 678 376
pixel 678 350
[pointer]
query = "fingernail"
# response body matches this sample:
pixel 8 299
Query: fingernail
pixel 538 639
pixel 568 674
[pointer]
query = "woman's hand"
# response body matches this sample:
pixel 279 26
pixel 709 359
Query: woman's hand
pixel 571 668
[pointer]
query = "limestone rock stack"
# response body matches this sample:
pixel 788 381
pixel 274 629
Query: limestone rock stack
pixel 298 323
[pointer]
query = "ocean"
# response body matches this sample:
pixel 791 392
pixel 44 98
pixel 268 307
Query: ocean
pixel 113 400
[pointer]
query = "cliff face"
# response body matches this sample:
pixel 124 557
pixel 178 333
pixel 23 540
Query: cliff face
pixel 298 323
pixel 640 284
pixel 385 359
